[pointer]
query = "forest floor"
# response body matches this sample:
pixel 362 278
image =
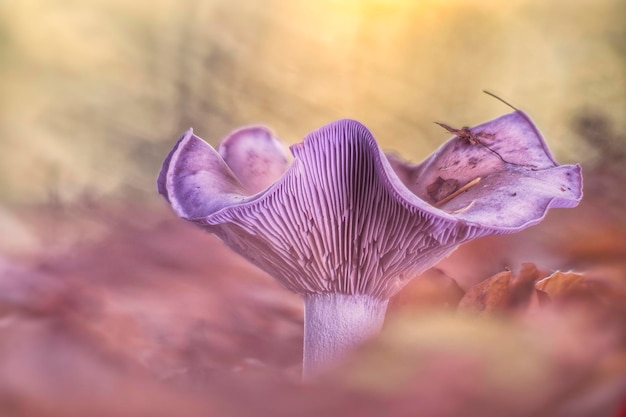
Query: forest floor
pixel 122 309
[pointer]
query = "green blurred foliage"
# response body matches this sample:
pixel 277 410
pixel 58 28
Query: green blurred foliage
pixel 93 93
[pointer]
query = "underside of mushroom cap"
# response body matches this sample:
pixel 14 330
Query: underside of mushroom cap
pixel 339 219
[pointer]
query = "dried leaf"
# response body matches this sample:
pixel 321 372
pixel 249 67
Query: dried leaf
pixel 560 283
pixel 489 295
pixel 523 284
pixel 432 290
pixel 538 299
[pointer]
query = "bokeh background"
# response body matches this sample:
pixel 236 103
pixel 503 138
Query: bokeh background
pixel 109 305
pixel 93 93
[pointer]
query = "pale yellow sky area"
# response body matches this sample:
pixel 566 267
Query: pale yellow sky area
pixel 95 92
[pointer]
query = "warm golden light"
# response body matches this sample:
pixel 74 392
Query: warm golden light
pixel 80 76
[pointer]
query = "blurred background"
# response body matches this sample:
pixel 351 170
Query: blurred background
pixel 94 93
pixel 105 294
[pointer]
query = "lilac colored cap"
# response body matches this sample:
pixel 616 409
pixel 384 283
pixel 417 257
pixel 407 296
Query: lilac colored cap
pixel 343 217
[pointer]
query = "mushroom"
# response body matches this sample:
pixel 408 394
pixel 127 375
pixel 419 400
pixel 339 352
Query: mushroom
pixel 346 226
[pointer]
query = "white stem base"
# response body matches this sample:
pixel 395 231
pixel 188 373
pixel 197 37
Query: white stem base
pixel 336 323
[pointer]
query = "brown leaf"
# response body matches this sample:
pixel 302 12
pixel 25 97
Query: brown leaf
pixel 538 299
pixel 492 294
pixel 523 284
pixel 432 290
pixel 561 283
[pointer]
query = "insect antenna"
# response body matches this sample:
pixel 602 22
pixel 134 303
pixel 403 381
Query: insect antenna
pixel 500 99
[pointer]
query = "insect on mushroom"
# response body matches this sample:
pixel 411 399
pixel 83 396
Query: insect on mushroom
pixel 346 226
pixel 468 137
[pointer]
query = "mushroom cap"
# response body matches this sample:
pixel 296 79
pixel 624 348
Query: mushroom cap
pixel 519 178
pixel 343 217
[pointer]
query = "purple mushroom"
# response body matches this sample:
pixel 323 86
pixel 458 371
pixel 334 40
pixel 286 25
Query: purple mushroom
pixel 346 226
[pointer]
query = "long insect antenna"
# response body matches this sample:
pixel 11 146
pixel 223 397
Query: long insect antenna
pixel 500 99
pixel 448 128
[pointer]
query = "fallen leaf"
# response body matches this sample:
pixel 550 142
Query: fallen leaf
pixel 489 295
pixel 560 283
pixel 433 290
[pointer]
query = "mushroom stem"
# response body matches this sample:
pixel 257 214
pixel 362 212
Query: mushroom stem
pixel 335 323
